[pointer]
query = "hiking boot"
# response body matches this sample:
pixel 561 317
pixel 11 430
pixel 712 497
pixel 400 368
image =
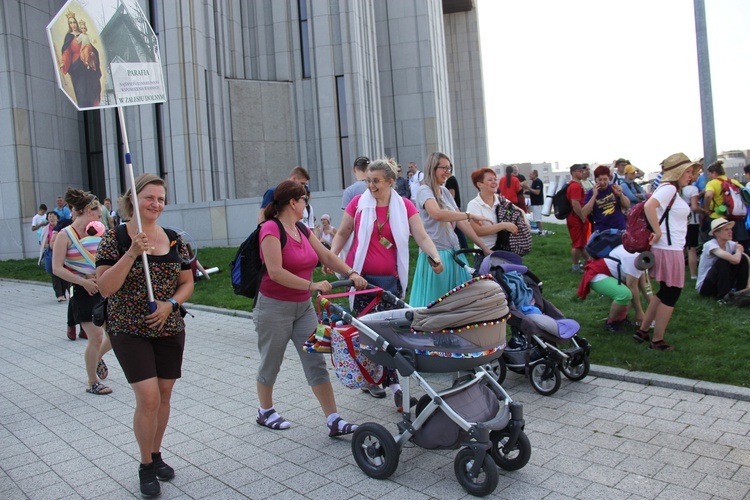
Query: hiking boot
pixel 149 485
pixel 375 391
pixel 612 327
pixel 163 471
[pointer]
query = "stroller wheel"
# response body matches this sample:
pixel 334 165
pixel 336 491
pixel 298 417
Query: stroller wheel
pixel 545 378
pixel 485 482
pixel 375 450
pixel 497 369
pixel 509 459
pixel 578 371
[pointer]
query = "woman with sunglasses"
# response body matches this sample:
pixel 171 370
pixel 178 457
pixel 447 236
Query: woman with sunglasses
pixel 440 216
pixel 283 310
pixel 73 260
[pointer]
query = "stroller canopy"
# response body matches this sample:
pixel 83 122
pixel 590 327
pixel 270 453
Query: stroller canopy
pixel 477 301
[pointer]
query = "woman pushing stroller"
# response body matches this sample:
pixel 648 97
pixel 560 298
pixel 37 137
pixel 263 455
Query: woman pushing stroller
pixel 381 222
pixel 283 310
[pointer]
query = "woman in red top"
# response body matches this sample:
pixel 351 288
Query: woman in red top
pixel 510 186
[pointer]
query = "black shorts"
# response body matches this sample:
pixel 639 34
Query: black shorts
pixel 81 304
pixel 142 358
pixel 691 240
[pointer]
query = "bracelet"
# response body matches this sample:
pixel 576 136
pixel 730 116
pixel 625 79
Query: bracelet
pixel 128 254
pixel 468 216
pixel 309 286
pixel 350 272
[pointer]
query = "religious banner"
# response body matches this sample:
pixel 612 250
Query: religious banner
pixel 106 54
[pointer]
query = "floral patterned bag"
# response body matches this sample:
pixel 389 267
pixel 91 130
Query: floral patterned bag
pixel 353 368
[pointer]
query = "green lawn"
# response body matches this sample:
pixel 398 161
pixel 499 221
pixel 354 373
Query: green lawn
pixel 712 342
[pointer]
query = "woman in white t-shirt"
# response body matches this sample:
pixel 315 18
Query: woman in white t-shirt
pixel 486 203
pixel 327 231
pixel 667 244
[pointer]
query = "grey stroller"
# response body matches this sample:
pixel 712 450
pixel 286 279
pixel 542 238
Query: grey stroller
pixel 544 344
pixel 463 330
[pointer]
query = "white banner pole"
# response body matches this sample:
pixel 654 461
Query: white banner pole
pixel 136 211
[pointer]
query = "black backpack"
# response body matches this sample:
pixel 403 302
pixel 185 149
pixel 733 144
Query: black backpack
pixel 561 203
pixel 247 268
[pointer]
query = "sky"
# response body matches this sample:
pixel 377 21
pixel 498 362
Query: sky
pixel 589 81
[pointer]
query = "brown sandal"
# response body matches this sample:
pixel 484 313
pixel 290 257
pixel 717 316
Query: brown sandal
pixel 660 345
pixel 640 336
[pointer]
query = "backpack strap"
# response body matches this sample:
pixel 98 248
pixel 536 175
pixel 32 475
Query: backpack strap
pixel 665 214
pixel 121 236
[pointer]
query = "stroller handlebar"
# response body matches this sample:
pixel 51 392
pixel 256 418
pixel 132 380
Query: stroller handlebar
pixel 386 295
pixel 475 251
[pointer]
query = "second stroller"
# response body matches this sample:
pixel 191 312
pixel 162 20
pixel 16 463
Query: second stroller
pixel 544 344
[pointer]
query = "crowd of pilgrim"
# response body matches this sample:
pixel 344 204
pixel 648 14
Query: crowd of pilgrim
pixel 100 254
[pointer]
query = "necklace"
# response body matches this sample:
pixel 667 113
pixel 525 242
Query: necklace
pixel 152 241
pixel 292 231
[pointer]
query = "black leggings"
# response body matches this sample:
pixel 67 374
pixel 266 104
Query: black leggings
pixel 723 277
pixel 668 295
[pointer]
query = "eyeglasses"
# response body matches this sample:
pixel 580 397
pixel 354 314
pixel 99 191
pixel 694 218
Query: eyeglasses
pixel 447 169
pixel 374 181
pixel 306 198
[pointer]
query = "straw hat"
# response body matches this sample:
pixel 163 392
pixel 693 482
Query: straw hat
pixel 675 165
pixel 719 223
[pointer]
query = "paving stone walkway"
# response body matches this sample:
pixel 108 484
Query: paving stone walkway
pixel 601 438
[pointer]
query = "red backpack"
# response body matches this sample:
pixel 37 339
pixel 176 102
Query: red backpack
pixel 736 209
pixel 638 231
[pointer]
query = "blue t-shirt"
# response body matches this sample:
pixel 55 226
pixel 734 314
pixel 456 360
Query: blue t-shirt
pixel 63 213
pixel 267 198
pixel 607 211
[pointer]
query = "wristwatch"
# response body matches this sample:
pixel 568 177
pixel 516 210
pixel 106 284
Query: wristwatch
pixel 175 305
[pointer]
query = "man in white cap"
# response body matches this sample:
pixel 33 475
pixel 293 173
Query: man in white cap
pixel 723 265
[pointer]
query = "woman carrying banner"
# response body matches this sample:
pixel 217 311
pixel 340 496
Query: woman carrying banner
pixel 148 345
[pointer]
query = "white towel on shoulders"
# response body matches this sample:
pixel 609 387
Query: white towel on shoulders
pixel 399 227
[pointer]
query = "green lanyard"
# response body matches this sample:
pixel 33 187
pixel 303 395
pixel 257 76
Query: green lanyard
pixel 380 226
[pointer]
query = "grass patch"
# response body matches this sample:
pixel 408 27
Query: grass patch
pixel 712 342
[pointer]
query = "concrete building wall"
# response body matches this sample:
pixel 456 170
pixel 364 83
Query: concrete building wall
pixel 240 113
pixel 468 121
pixel 413 79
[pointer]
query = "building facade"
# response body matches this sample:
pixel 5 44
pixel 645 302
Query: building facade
pixel 253 89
